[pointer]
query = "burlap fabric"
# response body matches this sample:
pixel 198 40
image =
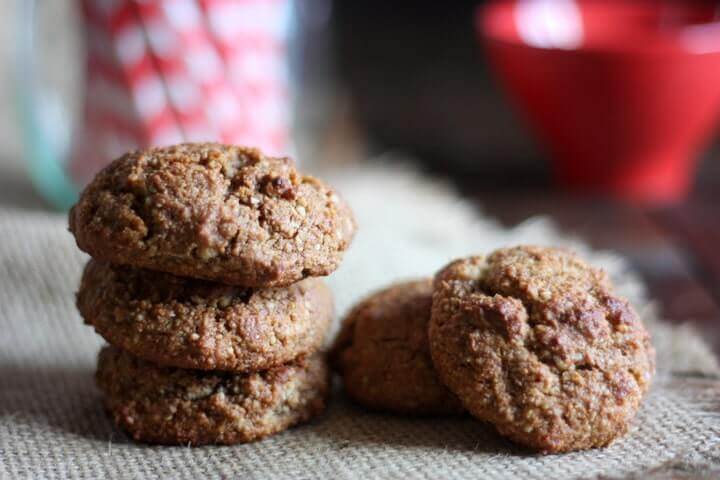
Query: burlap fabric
pixel 52 424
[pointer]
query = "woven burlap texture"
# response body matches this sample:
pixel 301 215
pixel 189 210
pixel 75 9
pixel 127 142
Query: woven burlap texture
pixel 52 424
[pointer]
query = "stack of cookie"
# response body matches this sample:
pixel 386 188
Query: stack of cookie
pixel 202 281
pixel 531 340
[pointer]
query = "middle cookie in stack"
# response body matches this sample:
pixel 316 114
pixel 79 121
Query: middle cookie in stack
pixel 190 323
pixel 192 360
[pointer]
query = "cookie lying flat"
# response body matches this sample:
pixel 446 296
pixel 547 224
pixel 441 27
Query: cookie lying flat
pixel 189 323
pixel 173 406
pixel 534 341
pixel 212 211
pixel 382 353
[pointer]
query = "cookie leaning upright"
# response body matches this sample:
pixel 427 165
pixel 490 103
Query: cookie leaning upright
pixel 217 212
pixel 383 356
pixel 534 341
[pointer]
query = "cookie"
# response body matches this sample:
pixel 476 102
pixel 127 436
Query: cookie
pixel 188 323
pixel 383 356
pixel 216 212
pixel 173 406
pixel 534 341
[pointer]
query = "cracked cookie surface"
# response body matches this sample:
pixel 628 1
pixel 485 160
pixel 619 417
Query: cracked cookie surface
pixel 383 356
pixel 218 212
pixel 173 406
pixel 534 341
pixel 190 323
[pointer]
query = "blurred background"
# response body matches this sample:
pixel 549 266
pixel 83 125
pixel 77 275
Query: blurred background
pixel 600 114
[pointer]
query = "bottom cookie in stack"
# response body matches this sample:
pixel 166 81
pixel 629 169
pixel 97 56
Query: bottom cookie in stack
pixel 168 405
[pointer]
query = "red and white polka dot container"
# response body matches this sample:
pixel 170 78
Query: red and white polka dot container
pixel 166 71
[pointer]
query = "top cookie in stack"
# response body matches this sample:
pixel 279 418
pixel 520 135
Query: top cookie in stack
pixel 215 212
pixel 201 258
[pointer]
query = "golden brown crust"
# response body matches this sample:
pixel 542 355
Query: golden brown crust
pixel 534 341
pixel 184 407
pixel 222 213
pixel 189 323
pixel 383 355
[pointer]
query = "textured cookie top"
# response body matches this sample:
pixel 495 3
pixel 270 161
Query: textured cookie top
pixel 189 323
pixel 177 406
pixel 382 352
pixel 213 211
pixel 534 340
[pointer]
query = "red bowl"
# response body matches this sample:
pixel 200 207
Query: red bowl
pixel 624 94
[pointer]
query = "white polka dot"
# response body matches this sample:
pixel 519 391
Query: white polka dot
pixel 149 97
pixel 182 14
pixel 130 45
pixel 252 66
pixel 204 64
pixel 223 107
pixel 234 18
pixel 269 112
pixel 184 95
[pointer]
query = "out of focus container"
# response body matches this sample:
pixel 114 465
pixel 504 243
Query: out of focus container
pixel 624 94
pixel 154 73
